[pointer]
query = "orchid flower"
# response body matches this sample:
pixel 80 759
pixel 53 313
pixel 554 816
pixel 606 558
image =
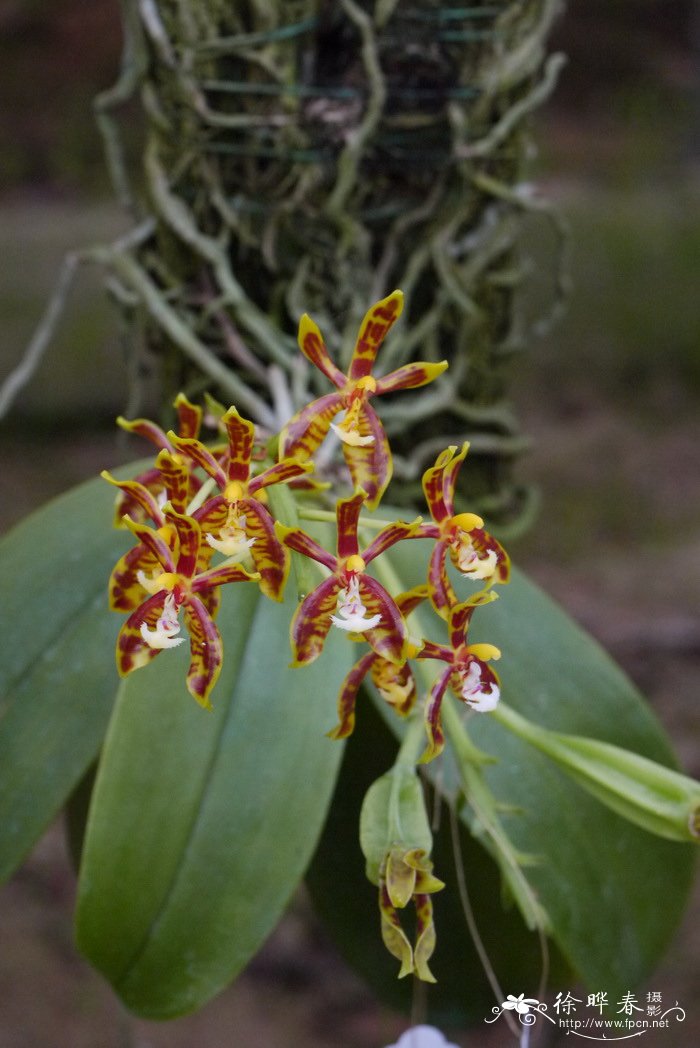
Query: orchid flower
pixel 348 598
pixel 406 876
pixel 177 585
pixel 189 418
pixel 125 588
pixel 236 522
pixel 365 445
pixel 395 684
pixel 473 551
pixel 468 674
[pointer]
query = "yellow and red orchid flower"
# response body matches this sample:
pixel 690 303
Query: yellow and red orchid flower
pixel 189 423
pixel 365 445
pixel 473 551
pixel 406 875
pixel 348 598
pixel 467 673
pixel 177 585
pixel 236 522
pixel 395 684
pixel 125 589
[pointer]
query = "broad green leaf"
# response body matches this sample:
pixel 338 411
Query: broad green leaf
pixel 57 672
pixel 202 823
pixel 600 877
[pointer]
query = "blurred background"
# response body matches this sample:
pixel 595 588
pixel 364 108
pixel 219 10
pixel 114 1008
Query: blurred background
pixel 609 399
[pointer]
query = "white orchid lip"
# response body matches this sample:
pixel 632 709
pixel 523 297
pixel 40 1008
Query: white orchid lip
pixel 351 436
pixel 167 627
pixel 470 563
pixel 479 695
pixel 352 612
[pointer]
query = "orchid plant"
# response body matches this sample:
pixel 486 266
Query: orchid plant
pixel 406 615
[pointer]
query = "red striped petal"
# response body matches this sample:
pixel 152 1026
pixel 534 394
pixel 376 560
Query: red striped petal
pixel 312 621
pixel 433 723
pixel 270 557
pixel 314 349
pixel 132 650
pixel 347 514
pixel 280 473
pixel 189 417
pixel 180 484
pixel 306 431
pixel 376 324
pixel 190 537
pixel 348 696
pixel 461 614
pixel 449 477
pixel 143 427
pixel 135 493
pixel 442 594
pixel 411 376
pixel 153 542
pixel 298 540
pixel 389 536
pixel 125 591
pixel 370 465
pixel 241 438
pixel 433 487
pixel 206 651
pixel 389 639
pixel 200 456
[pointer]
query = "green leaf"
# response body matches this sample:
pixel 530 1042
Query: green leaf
pixel 57 672
pixel 202 823
pixel 600 877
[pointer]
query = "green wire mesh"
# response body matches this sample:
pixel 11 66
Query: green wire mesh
pixel 303 155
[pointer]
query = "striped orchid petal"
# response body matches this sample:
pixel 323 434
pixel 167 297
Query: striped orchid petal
pixel 433 722
pixel 133 492
pixel 389 639
pixel 347 515
pixel 241 439
pixel 314 349
pixel 189 416
pixel 390 535
pixel 370 465
pixel 132 650
pixel 410 376
pixel 281 473
pixel 126 591
pixel 201 456
pixel 375 326
pixel 312 621
pixel 156 544
pixel 269 555
pixel 206 651
pixel 439 504
pixel 302 543
pixel 306 431
pixel 180 484
pixel 348 696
